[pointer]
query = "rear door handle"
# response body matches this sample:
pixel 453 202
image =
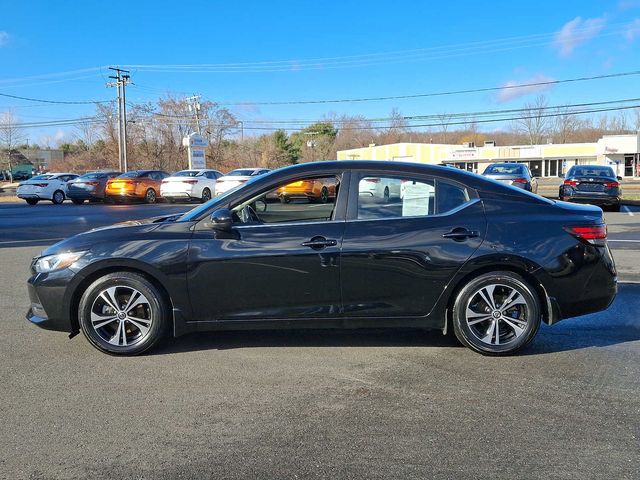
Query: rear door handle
pixel 459 234
pixel 318 243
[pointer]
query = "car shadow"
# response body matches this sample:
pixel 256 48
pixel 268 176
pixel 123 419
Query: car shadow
pixel 617 325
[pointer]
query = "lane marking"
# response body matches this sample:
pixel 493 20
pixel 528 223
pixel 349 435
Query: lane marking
pixel 628 210
pixel 627 241
pixel 33 240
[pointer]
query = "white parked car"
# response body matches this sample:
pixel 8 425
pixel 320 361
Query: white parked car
pixel 49 186
pixel 238 177
pixel 190 184
pixel 380 187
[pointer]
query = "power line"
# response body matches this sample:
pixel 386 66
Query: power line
pixel 383 57
pixel 438 94
pixel 57 102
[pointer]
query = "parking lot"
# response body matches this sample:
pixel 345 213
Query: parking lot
pixel 314 404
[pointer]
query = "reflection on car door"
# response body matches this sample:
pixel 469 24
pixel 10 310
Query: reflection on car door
pixel 286 270
pixel 398 256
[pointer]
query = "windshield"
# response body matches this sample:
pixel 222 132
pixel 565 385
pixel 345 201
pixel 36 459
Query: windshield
pixel 591 172
pixel 243 172
pixel 187 173
pixel 132 174
pixel 505 169
pixel 41 177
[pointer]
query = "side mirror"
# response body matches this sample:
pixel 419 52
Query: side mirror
pixel 222 220
pixel 619 177
pixel 561 175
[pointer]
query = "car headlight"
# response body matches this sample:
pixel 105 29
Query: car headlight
pixel 59 261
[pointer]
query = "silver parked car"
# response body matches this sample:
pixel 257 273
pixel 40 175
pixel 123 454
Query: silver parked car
pixel 515 174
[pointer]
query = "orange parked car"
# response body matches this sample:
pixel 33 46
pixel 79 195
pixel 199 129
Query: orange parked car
pixel 314 189
pixel 135 184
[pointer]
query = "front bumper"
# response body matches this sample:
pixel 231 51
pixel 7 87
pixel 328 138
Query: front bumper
pixel 51 300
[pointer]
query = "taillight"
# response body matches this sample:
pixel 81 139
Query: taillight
pixel 571 182
pixel 520 180
pixel 595 234
pixel 95 184
pixel 612 184
pixel 191 182
pixel 40 185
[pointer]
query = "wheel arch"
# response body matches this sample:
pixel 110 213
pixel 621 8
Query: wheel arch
pixel 106 268
pixel 520 266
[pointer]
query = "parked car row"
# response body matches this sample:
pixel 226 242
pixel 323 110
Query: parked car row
pixel 141 185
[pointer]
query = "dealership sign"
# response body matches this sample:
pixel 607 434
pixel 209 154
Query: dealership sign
pixel 196 145
pixel 464 154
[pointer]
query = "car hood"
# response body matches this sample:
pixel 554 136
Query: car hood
pixel 123 230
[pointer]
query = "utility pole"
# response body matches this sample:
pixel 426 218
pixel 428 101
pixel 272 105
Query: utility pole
pixel 121 81
pixel 241 123
pixel 194 106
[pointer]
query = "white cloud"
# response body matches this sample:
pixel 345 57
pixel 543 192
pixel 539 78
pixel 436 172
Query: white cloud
pixel 511 91
pixel 4 38
pixel 633 30
pixel 59 137
pixel 577 32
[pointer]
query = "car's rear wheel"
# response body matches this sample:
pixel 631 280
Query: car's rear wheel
pixel 57 197
pixel 77 201
pixel 206 195
pixel 32 201
pixel 123 313
pixel 496 313
pixel 150 196
pixel 615 207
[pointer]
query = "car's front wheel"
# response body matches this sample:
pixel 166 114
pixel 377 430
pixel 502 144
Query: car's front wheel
pixel 123 313
pixel 496 313
pixel 206 195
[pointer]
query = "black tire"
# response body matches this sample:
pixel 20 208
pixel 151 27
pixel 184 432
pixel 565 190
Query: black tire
pixel 523 318
pixel 157 307
pixel 206 195
pixel 77 201
pixel 324 195
pixel 150 196
pixel 32 201
pixel 615 208
pixel 58 197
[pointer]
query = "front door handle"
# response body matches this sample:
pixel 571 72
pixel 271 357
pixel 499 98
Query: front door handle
pixel 459 234
pixel 318 243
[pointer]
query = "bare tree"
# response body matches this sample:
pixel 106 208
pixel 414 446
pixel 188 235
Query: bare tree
pixel 565 125
pixel 11 135
pixel 444 119
pixel 533 123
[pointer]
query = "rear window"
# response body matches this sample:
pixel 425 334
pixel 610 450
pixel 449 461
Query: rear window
pixel 591 172
pixel 504 170
pixel 242 172
pixel 92 176
pixel 132 174
pixel 187 173
pixel 41 177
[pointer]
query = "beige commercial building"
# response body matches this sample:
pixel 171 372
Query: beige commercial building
pixel 618 151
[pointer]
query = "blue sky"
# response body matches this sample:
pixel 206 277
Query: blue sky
pixel 366 49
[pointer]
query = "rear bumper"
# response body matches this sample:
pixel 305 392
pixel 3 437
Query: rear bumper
pixel 26 196
pixel 85 195
pixel 594 199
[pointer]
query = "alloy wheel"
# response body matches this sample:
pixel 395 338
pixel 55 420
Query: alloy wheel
pixel 497 314
pixel 121 316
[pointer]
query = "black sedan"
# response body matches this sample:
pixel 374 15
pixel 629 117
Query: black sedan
pixel 593 184
pixel 89 186
pixel 453 251
pixel 515 174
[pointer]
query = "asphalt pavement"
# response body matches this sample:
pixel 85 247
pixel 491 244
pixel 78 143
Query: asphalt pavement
pixel 312 404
